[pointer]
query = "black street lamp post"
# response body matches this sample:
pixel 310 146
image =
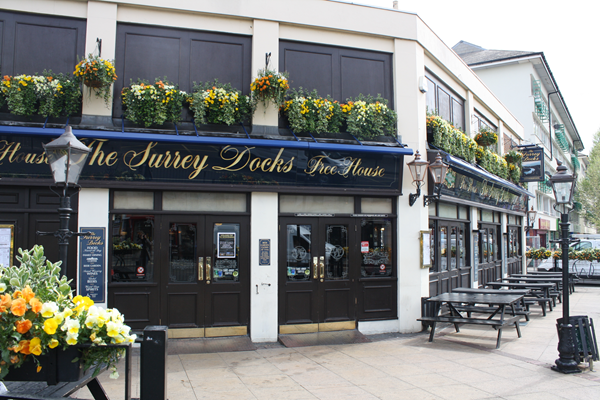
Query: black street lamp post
pixel 563 185
pixel 66 157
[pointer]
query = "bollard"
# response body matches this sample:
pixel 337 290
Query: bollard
pixel 153 363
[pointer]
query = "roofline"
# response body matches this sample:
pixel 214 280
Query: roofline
pixel 548 71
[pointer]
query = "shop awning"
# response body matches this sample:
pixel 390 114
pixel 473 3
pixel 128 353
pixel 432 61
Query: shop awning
pixel 211 140
pixel 478 173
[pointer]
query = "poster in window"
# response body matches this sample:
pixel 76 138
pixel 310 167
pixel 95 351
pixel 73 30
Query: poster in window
pixel 425 249
pixel 226 245
pixel 6 244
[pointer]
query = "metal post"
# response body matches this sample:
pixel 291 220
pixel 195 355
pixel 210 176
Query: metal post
pixel 566 346
pixel 63 233
pixel 153 363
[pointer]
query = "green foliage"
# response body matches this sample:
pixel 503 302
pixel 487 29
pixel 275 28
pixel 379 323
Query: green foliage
pixel 588 189
pixel 49 94
pixel 218 103
pixel 307 112
pixel 368 117
pixel 452 140
pixel 147 104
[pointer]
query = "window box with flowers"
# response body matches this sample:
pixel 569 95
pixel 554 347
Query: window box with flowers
pixel 367 117
pixel 39 314
pixel 48 95
pixel 97 74
pixel 217 103
pixel 153 104
pixel 307 112
pixel 450 139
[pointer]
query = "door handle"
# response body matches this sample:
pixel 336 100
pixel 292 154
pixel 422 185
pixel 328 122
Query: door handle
pixel 200 268
pixel 322 266
pixel 315 267
pixel 208 269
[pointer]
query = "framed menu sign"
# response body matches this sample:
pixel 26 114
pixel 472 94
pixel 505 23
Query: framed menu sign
pixel 6 244
pixel 226 245
pixel 92 265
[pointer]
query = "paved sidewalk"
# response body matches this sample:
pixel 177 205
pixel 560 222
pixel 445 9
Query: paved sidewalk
pixel 461 366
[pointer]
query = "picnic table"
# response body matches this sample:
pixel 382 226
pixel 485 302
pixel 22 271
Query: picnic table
pixel 497 318
pixel 554 292
pixel 520 308
pixel 540 292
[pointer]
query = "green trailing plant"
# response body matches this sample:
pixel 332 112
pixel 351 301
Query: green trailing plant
pixel 451 139
pixel 308 112
pixel 368 117
pixel 49 94
pixel 486 137
pixel 218 103
pixel 270 86
pixel 98 74
pixel 156 103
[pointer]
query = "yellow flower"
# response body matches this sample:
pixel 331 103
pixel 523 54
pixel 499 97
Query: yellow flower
pixel 53 343
pixel 50 326
pixel 35 346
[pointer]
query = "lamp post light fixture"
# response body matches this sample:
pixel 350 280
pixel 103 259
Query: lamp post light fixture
pixel 531 214
pixel 66 157
pixel 438 172
pixel 418 170
pixel 563 185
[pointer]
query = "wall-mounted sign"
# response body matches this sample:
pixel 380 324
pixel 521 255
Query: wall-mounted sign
pixel 264 251
pixel 544 224
pixel 6 244
pixel 425 249
pixel 143 161
pixel 533 165
pixel 91 264
pixel 364 246
pixel 226 245
pixel 482 191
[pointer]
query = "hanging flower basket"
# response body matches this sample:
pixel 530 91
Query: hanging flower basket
pixel 93 84
pixel 486 137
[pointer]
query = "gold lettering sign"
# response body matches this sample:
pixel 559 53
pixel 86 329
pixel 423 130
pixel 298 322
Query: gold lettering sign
pixel 138 160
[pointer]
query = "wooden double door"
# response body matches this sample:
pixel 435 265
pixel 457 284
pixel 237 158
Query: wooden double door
pixel 450 246
pixel 196 276
pixel 490 261
pixel 333 272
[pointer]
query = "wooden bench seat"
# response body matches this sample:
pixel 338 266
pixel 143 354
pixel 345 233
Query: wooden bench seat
pixel 489 310
pixel 541 301
pixel 497 324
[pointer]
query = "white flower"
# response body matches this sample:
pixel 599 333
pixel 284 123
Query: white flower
pixel 2 287
pixel 113 373
pixel 49 309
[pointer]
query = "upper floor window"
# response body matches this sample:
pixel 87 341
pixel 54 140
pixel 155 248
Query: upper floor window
pixel 442 101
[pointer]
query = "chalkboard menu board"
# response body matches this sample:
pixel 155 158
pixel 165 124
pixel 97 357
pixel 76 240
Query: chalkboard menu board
pixel 92 249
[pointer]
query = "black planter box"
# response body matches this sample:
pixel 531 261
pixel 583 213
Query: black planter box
pixel 57 366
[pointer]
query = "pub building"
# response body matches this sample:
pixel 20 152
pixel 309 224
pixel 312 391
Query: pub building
pixel 254 230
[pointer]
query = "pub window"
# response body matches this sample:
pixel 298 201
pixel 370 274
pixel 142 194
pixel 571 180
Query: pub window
pixel 316 204
pixel 463 212
pixel 376 205
pixel 133 200
pixel 377 259
pixel 487 216
pixel 132 248
pixel 447 210
pixel 441 100
pixel 202 201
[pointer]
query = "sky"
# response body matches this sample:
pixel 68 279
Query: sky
pixel 567 32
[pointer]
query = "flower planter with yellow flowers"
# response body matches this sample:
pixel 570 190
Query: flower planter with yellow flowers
pixel 40 317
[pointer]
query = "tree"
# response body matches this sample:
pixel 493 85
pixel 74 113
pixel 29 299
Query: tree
pixel 588 189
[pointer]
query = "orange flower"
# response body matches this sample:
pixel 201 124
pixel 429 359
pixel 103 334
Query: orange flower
pixel 14 359
pixel 28 293
pixel 36 305
pixel 19 307
pixel 23 326
pixel 5 302
pixel 17 294
pixel 24 345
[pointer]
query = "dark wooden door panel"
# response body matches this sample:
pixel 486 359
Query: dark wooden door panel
pixel 297 308
pixel 182 309
pixel 338 305
pixel 378 299
pixel 227 309
pixel 139 304
pixel 340 72
pixel 31 43
pixel 183 56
